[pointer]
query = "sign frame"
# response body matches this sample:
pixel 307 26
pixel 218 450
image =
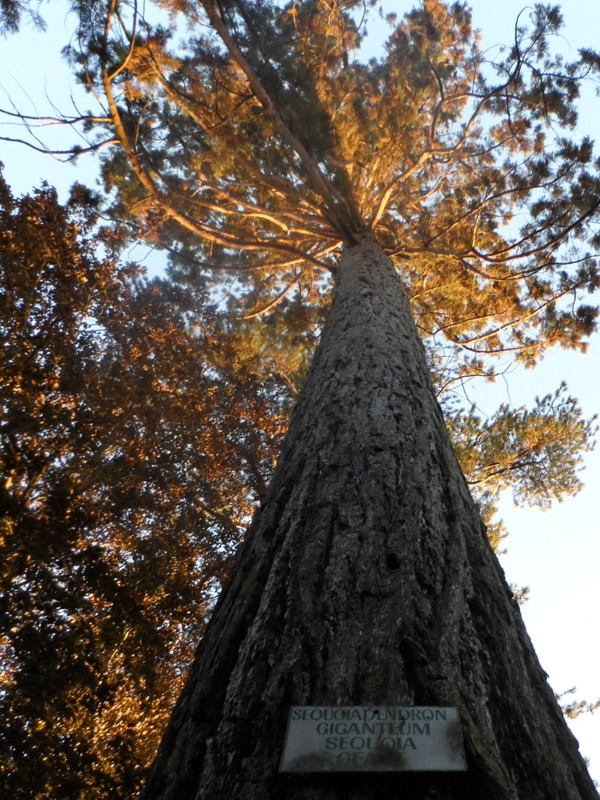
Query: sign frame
pixel 373 739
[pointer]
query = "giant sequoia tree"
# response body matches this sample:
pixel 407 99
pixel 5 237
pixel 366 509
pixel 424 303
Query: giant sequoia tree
pixel 264 143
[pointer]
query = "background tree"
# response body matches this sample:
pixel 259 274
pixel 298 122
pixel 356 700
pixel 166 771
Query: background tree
pixel 133 447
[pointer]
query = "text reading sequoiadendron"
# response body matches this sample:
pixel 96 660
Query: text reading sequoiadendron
pixel 373 739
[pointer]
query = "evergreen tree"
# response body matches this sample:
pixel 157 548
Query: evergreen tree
pixel 130 449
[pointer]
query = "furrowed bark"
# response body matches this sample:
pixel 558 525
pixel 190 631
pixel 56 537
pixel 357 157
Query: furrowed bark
pixel 367 578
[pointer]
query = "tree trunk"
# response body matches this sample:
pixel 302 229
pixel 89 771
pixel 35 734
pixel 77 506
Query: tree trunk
pixel 367 578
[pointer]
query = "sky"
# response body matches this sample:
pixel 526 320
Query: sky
pixel 556 553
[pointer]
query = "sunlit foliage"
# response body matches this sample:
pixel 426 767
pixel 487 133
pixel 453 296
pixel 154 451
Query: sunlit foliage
pixel 261 134
pixel 132 450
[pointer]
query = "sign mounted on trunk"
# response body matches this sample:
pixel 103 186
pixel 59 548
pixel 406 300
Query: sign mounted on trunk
pixel 373 739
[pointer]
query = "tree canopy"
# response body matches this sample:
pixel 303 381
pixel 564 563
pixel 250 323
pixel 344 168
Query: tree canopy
pixel 258 136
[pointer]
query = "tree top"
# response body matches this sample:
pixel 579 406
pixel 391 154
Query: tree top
pixel 263 137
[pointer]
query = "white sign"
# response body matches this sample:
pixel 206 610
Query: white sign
pixel 373 739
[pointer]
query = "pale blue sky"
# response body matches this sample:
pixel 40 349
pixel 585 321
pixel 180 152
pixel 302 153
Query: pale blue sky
pixel 556 553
